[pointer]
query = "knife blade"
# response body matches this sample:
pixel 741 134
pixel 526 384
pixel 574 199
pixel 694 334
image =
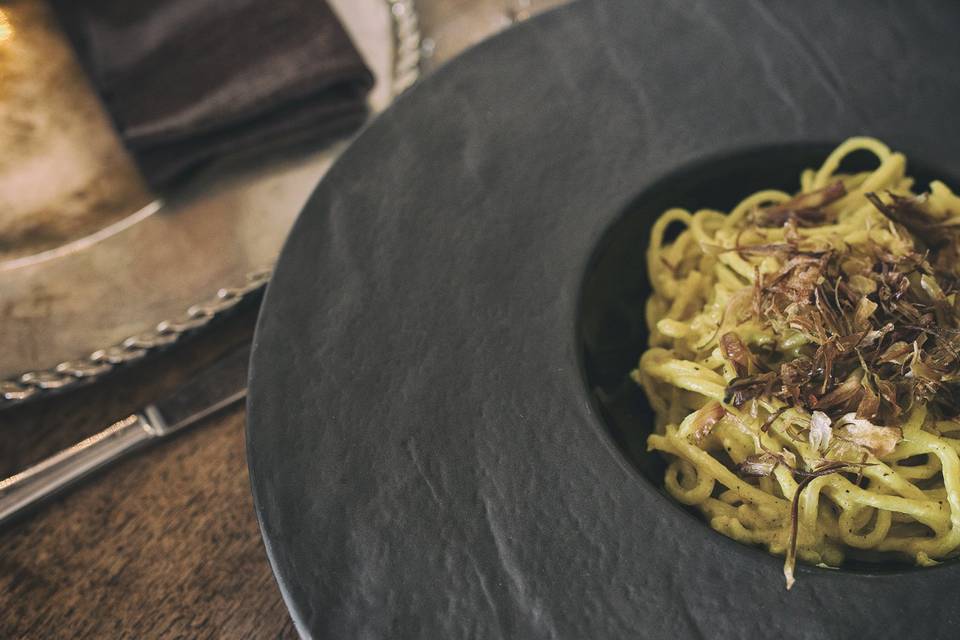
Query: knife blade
pixel 214 388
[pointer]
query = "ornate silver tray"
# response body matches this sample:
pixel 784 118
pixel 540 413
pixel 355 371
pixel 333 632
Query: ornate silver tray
pixel 95 271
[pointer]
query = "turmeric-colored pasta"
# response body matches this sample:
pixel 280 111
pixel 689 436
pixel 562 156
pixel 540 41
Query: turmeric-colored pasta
pixel 804 364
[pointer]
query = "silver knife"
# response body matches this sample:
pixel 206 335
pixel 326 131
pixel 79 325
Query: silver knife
pixel 212 389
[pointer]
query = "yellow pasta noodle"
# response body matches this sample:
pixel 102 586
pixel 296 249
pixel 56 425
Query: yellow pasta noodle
pixel 803 359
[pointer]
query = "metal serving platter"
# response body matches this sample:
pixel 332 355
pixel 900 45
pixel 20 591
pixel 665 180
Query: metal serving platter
pixel 95 270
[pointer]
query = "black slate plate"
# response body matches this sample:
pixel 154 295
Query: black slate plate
pixel 427 456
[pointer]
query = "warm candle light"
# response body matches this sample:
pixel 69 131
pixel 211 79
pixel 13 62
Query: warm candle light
pixel 6 29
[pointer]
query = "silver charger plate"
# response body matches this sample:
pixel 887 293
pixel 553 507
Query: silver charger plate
pixel 95 271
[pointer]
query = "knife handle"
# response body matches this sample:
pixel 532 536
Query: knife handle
pixel 50 476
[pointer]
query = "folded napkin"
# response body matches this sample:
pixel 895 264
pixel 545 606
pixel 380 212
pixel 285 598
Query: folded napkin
pixel 190 80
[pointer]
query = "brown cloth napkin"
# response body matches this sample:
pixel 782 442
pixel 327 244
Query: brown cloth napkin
pixel 190 80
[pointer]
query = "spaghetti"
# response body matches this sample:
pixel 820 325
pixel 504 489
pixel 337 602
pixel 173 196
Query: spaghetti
pixel 804 365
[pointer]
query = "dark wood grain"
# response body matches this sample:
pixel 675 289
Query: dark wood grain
pixel 163 545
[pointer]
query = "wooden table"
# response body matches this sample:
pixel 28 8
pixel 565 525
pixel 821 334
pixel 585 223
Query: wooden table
pixel 164 544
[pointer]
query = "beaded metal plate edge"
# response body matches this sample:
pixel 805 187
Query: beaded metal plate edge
pixel 33 384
